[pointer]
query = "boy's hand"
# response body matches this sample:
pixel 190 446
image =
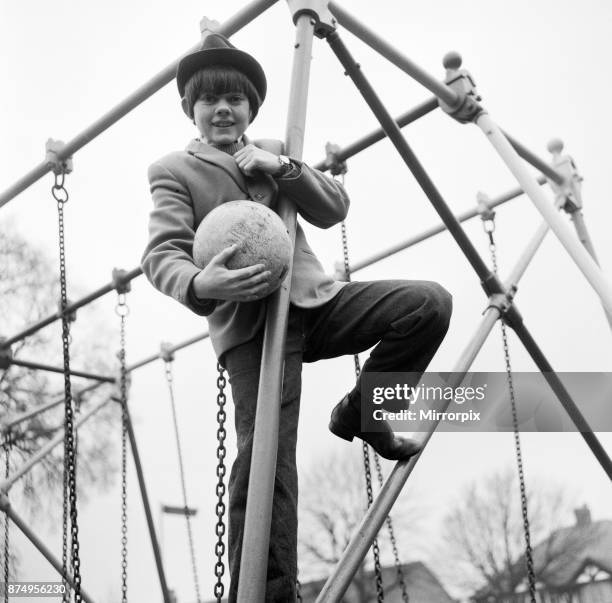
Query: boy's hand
pixel 251 159
pixel 216 281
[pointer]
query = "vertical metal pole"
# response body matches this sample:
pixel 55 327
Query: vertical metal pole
pixel 5 506
pixel 528 183
pixel 256 540
pixel 147 507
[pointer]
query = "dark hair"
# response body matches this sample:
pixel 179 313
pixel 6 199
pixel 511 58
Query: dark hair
pixel 220 79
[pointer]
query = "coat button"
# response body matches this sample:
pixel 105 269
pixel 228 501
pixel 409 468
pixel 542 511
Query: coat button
pixel 259 196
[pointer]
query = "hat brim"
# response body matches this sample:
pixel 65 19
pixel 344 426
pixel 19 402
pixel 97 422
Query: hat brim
pixel 232 57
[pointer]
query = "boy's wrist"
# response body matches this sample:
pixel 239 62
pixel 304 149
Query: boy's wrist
pixel 287 168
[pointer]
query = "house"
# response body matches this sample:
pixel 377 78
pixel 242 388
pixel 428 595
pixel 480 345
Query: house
pixel 573 565
pixel 421 584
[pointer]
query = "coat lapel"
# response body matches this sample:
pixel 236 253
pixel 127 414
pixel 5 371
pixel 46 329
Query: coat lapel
pixel 226 162
pixel 260 188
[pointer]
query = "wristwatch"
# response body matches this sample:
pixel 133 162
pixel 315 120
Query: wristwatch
pixel 285 164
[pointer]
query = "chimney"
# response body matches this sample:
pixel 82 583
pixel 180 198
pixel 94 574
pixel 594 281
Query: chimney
pixel 583 516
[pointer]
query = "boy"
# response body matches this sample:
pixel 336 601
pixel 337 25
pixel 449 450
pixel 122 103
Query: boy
pixel 221 91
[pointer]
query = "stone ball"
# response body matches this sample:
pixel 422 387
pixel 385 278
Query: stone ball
pixel 261 236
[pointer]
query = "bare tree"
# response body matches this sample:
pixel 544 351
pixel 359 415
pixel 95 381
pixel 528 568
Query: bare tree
pixel 333 502
pixel 483 538
pixel 28 293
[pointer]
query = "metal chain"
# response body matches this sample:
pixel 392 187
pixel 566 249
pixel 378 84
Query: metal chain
pixel 122 311
pixel 489 229
pixel 220 506
pixel 194 569
pixel 380 594
pixel 398 566
pixel 7 452
pixel 60 194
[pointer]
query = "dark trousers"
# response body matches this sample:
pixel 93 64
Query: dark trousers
pixel 405 320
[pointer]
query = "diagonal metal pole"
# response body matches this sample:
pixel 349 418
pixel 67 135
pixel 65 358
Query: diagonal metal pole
pixel 440 89
pixel 73 307
pixel 255 545
pixel 353 555
pixel 490 282
pixel 6 507
pixel 434 230
pixel 369 139
pixel 40 454
pixel 147 506
pixel 228 28
pixel 170 350
pixel 509 150
pixel 28 414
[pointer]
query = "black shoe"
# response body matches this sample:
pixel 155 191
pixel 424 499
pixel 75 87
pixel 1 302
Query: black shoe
pixel 345 422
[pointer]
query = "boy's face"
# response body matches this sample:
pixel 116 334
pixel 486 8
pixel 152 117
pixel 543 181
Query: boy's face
pixel 221 118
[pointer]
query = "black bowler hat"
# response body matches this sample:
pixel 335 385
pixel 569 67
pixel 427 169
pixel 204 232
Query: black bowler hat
pixel 218 50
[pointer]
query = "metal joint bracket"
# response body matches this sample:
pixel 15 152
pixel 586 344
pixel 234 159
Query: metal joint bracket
pixel 467 108
pixel 502 302
pixel 120 283
pixel 70 316
pixel 165 351
pixel 332 163
pixel 568 195
pixel 324 21
pixel 483 204
pixel 6 354
pixel 208 26
pixel 53 149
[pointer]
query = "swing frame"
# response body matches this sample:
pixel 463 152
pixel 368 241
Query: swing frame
pixel 456 96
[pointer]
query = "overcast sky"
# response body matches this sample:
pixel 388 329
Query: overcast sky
pixel 542 69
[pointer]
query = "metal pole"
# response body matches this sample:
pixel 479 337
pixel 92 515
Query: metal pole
pixel 503 146
pixel 526 257
pixel 489 280
pixel 426 234
pixel 146 505
pixel 440 89
pixel 28 414
pixel 578 253
pixel 55 369
pixel 5 506
pixel 70 309
pixel 170 350
pixel 410 159
pixel 255 545
pixel 583 234
pixel 228 28
pixel 6 484
pixel 353 555
pixel 367 141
